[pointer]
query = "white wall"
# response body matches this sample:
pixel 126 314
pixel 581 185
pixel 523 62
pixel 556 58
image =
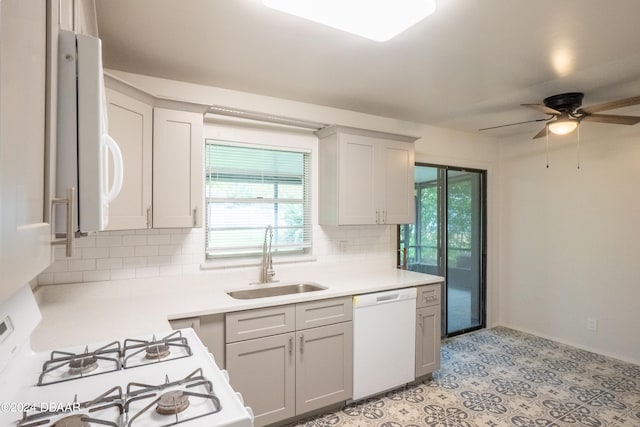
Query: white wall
pixel 570 239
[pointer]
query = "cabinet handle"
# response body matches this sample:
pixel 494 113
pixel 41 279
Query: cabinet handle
pixel 420 323
pixel 195 216
pixel 290 346
pixel 149 217
pixel 70 203
pixel 377 216
pixel 384 216
pixel 301 343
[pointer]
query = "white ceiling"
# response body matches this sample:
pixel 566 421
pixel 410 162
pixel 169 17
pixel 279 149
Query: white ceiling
pixel 467 66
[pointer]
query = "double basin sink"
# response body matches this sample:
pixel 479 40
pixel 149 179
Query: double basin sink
pixel 279 290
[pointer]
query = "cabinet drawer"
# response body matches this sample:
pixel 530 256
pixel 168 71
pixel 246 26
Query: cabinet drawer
pixel 262 322
pixel 428 295
pixel 324 312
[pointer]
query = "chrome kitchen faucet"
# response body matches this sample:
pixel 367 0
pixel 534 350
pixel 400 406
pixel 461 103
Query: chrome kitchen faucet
pixel 267 272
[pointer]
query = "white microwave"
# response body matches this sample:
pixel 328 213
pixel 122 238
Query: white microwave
pixel 84 146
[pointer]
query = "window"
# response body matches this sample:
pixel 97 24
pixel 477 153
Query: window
pixel 249 188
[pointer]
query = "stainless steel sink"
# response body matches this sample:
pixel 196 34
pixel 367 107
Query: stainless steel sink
pixel 272 291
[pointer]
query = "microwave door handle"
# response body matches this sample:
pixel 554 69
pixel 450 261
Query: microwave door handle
pixel 117 168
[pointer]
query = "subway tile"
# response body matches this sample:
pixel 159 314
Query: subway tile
pixel 82 264
pixel 85 242
pixel 134 261
pixel 123 273
pixel 118 232
pixel 146 250
pixel 90 253
pixel 108 263
pixel 159 239
pixel 67 277
pixel 147 231
pixel 45 279
pixel 177 230
pixel 135 240
pixel 60 253
pixel 181 259
pixel 58 266
pixel 96 276
pixel 179 239
pixel 169 250
pixel 108 241
pixel 159 260
pixel 121 251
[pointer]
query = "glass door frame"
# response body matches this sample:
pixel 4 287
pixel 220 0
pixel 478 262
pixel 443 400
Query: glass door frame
pixel 443 262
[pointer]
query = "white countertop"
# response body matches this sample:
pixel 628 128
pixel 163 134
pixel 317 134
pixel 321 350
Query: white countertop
pixel 85 313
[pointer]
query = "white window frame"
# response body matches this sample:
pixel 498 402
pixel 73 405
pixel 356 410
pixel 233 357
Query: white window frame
pixel 254 258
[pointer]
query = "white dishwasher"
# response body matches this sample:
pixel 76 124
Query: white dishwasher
pixel 384 336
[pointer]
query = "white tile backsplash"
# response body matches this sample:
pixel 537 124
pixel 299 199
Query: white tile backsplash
pixel 115 255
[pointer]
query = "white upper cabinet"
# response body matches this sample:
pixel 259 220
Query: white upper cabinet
pixel 178 168
pixel 131 126
pixel 25 230
pixel 365 177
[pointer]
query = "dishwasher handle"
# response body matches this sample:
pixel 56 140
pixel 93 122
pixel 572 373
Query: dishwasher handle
pixel 367 300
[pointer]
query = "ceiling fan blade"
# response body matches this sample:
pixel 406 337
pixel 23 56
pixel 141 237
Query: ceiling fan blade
pixel 542 108
pixel 612 105
pixel 513 124
pixel 542 133
pixel 610 118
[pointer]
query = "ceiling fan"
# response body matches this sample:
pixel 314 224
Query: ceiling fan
pixel 566 112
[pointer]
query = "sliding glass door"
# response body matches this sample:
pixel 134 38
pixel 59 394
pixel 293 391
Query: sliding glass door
pixel 448 239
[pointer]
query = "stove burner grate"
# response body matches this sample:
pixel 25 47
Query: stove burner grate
pixel 156 350
pixel 111 401
pixel 173 402
pixel 65 366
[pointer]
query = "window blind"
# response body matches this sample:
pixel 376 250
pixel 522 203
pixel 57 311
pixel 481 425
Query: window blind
pixel 248 189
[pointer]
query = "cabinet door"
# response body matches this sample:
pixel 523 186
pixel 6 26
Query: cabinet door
pixel 178 168
pixel 427 340
pixel 263 371
pixel 397 188
pixel 25 231
pixel 324 366
pixel 210 330
pixel 130 125
pixel 357 179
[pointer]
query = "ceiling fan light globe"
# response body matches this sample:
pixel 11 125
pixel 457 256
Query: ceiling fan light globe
pixel 563 127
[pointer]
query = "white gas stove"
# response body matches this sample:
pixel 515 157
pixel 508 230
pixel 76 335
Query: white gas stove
pixel 163 379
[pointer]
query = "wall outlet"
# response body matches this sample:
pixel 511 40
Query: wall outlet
pixel 592 324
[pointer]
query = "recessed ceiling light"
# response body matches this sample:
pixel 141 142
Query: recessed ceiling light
pixel 378 20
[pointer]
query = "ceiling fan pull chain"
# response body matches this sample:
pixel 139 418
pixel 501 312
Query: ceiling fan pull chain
pixel 578 135
pixel 547 149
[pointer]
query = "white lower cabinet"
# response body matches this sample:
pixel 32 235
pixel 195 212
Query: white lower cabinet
pixel 291 373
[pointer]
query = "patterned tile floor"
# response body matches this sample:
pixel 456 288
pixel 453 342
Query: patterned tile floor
pixel 503 377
